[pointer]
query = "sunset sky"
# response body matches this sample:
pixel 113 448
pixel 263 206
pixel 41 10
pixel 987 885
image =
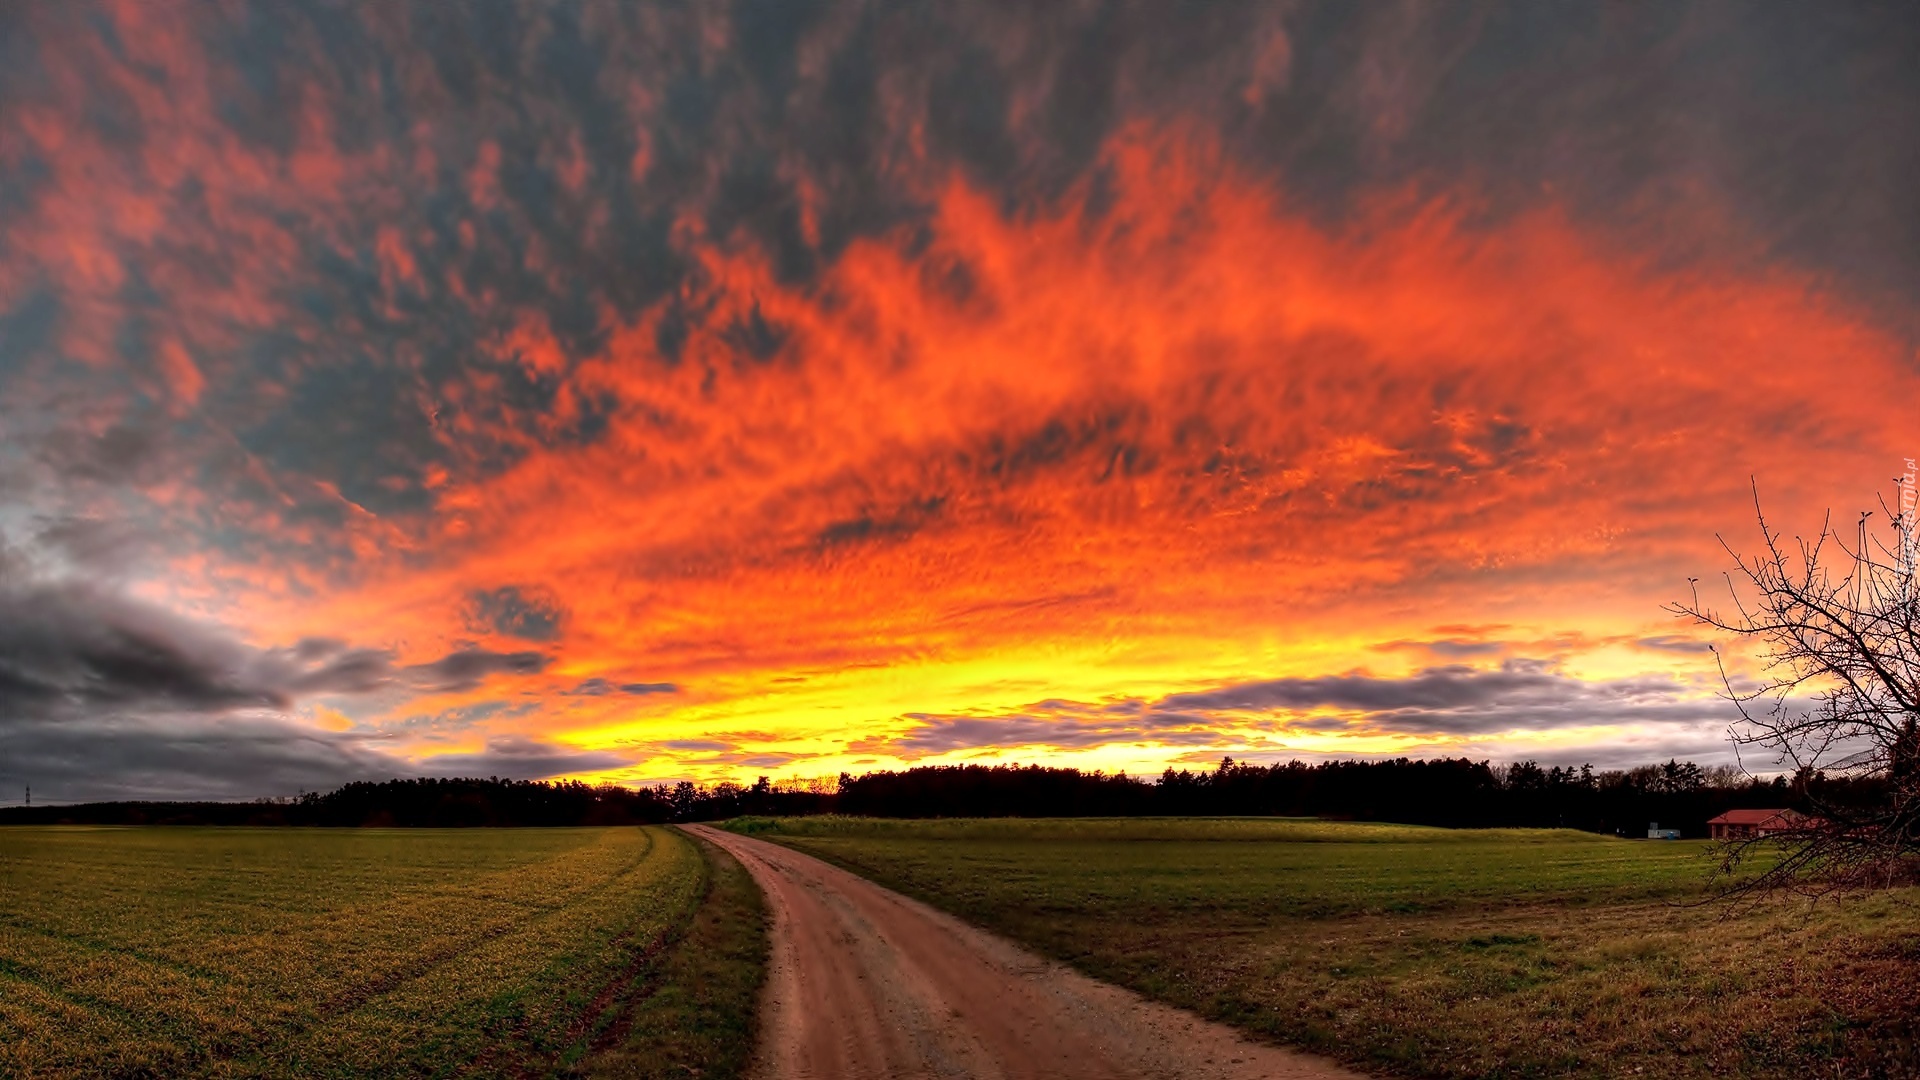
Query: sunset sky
pixel 699 391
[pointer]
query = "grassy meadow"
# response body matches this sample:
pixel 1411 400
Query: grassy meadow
pixel 1428 952
pixel 161 952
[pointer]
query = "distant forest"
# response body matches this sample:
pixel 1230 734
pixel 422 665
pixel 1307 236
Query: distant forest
pixel 1451 792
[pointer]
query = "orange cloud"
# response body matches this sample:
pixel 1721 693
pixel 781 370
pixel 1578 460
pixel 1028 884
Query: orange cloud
pixel 755 448
pixel 1162 440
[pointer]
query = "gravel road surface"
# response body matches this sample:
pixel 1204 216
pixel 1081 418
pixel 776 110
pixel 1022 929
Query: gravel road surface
pixel 864 982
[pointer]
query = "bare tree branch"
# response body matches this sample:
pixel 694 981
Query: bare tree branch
pixel 1836 700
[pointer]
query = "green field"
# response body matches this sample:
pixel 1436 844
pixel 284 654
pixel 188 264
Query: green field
pixel 371 953
pixel 1428 952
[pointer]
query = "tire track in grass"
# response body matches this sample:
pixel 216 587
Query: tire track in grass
pixel 599 1025
pixel 281 1042
pixel 238 1020
pixel 609 1005
pixel 360 997
pixel 519 1043
pixel 532 967
pixel 107 948
pixel 97 1008
pixel 698 1013
pixel 405 905
pixel 616 998
pixel 613 945
pixel 63 987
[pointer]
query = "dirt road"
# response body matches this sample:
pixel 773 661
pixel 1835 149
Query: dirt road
pixel 867 983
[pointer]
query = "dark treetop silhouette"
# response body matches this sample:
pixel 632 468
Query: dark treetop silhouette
pixel 1453 792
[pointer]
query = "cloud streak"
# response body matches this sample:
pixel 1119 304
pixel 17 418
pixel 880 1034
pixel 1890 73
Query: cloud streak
pixel 1457 702
pixel 1450 710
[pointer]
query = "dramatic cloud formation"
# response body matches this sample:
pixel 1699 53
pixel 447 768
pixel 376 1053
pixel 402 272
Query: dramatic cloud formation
pixel 1519 697
pixel 105 695
pixel 647 391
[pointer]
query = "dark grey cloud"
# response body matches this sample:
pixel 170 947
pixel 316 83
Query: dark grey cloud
pixel 67 646
pixel 330 666
pixel 126 452
pixel 599 687
pixel 238 757
pixel 1519 697
pixel 106 696
pixel 103 695
pixel 458 718
pixel 1461 700
pixel 530 614
pixel 91 542
pixel 468 668
pixel 761 760
pixel 898 523
pixel 943 734
pixel 719 750
pixel 1679 643
pixel 698 744
pixel 110 756
pixel 1452 648
pixel 1443 688
pixel 521 758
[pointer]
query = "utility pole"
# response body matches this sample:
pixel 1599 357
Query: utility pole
pixel 29 794
pixel 1907 542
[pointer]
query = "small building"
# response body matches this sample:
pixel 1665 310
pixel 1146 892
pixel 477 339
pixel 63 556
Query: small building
pixel 1655 832
pixel 1752 824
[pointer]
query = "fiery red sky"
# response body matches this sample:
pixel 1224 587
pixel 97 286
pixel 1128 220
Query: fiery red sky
pixel 660 391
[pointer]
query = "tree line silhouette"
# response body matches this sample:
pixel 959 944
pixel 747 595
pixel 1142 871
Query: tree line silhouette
pixel 1454 792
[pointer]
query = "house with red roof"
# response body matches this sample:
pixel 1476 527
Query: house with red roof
pixel 1749 824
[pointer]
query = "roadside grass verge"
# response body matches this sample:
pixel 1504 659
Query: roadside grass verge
pixel 1428 952
pixel 150 952
pixel 698 1018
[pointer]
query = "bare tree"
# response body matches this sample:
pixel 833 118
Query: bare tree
pixel 1833 621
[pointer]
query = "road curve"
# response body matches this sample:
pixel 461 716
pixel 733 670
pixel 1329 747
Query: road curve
pixel 864 982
